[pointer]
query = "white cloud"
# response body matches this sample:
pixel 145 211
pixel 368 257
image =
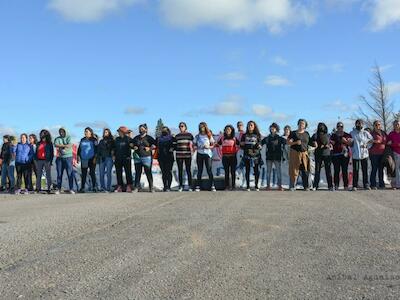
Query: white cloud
pixel 384 13
pixel 232 105
pixel 339 105
pixel 280 61
pixel 94 124
pixel 235 15
pixel 233 76
pixel 393 88
pixel 265 112
pixel 6 130
pixel 88 10
pixel 134 110
pixel 276 80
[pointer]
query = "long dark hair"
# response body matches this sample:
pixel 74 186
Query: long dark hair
pixel 256 131
pixel 208 131
pixel 45 134
pixel 35 140
pixel 232 132
pixel 110 136
pixel 322 128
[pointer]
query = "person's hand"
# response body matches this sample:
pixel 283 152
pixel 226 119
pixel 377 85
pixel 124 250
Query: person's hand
pixel 298 142
pixel 135 148
pixel 344 140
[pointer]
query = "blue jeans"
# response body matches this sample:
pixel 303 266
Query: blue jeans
pixel 106 165
pixel 61 165
pixel 7 170
pixel 278 169
pixel 377 167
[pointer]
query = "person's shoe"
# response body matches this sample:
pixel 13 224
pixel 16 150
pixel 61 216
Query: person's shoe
pixel 313 189
pixel 128 188
pixel 180 190
pixel 57 192
pixel 354 189
pixel 118 189
pixel 348 189
pixel 336 188
pixel 151 190
pixel 197 189
pixel 374 188
pixel 367 188
pixel 71 192
pixel 2 189
pixel 48 192
pixel 248 190
pixel 280 188
pixel 82 191
pixel 257 189
pixel 213 189
pixel 307 189
pixel 190 190
pixel 17 192
pixel 268 188
pixel 332 189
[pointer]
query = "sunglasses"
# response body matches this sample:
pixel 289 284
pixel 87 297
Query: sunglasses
pixel 181 126
pixel 340 126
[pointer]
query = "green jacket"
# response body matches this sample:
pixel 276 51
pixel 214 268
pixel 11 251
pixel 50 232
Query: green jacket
pixel 64 152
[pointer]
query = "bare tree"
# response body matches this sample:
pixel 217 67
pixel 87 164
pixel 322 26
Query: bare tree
pixel 379 105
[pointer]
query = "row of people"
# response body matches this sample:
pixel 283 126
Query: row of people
pixel 240 150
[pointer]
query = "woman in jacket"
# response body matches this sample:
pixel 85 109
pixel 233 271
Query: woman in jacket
pixel 274 153
pixel 229 144
pixel 322 154
pixel 165 147
pixel 299 161
pixel 44 159
pixel 394 142
pixel 105 152
pixel 33 142
pixel 340 141
pixel 361 141
pixel 143 144
pixel 376 155
pixel 23 163
pixel 7 156
pixel 204 143
pixel 251 145
pixel 87 151
pixel 123 159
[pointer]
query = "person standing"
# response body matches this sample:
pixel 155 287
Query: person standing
pixel 105 153
pixel 322 154
pixel 44 159
pixel 143 145
pixel 204 143
pixel 376 155
pixel 240 166
pixel 361 141
pixel 165 146
pixel 251 145
pixel 123 159
pixel 340 155
pixel 33 142
pixel 229 144
pixel 274 153
pixel 63 145
pixel 183 143
pixel 8 164
pixel 394 142
pixel 299 161
pixel 87 152
pixel 23 163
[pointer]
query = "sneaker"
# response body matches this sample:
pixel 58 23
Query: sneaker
pixel 307 189
pixel 82 191
pixel 268 188
pixel 197 189
pixel 151 190
pixel 374 188
pixel 257 189
pixel 292 189
pixel 213 189
pixel 180 190
pixel 367 188
pixel 280 188
pixel 17 192
pixel 248 190
pixel 129 189
pixel 354 189
pixel 71 192
pixel 336 188
pixel 190 190
pixel 313 189
pixel 57 192
pixel 118 189
pixel 332 189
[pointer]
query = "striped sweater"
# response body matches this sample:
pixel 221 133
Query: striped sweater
pixel 183 145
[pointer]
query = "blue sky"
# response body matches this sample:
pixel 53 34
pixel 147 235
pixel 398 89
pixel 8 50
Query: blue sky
pixel 125 62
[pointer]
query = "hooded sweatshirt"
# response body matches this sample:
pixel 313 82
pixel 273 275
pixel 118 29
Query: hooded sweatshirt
pixel 65 152
pixel 24 154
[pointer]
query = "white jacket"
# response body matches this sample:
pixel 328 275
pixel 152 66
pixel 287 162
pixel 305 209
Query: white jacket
pixel 361 143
